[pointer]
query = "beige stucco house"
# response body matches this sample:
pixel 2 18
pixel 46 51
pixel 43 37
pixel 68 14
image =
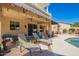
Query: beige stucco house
pixel 55 27
pixel 58 27
pixel 23 18
pixel 76 30
pixel 42 6
pixel 63 26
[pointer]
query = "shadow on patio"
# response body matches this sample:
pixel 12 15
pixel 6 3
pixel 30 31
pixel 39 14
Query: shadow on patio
pixel 43 53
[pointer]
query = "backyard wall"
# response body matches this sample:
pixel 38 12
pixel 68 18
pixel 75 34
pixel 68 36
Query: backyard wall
pixel 63 26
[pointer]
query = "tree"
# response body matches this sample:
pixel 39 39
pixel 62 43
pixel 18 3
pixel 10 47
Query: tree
pixel 71 30
pixel 64 30
pixel 76 24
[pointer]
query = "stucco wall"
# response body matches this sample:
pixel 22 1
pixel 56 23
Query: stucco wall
pixel 63 26
pixel 0 22
pixel 13 13
pixel 55 28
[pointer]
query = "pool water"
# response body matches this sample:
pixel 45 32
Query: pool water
pixel 73 41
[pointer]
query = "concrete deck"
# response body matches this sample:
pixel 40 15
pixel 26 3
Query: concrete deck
pixel 62 47
pixel 59 48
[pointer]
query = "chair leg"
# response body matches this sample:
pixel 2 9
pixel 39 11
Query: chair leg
pixel 30 52
pixel 49 47
pixel 20 49
pixel 40 50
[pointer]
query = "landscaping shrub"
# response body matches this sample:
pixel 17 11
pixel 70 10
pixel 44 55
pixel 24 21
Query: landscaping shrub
pixel 71 30
pixel 64 30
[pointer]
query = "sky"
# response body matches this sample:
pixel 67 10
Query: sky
pixel 64 12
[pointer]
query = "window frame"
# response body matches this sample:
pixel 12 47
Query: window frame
pixel 14 25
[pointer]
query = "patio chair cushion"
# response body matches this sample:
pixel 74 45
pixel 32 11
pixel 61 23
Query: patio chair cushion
pixel 46 42
pixel 36 36
pixel 39 34
pixel 22 36
pixel 28 45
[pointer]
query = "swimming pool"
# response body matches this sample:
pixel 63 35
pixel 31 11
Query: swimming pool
pixel 73 41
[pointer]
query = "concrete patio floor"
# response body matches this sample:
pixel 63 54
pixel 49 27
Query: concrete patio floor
pixel 62 47
pixel 16 52
pixel 58 48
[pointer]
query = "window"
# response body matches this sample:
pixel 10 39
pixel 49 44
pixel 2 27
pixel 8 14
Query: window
pixel 45 8
pixel 24 10
pixel 41 28
pixel 14 25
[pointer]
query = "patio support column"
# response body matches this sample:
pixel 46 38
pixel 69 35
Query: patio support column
pixel 50 47
pixel 1 33
pixel 38 28
pixel 50 26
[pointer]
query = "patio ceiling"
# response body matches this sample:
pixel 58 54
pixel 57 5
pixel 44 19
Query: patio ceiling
pixel 33 9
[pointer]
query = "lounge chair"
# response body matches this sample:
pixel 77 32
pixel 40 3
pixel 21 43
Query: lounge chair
pixel 43 41
pixel 28 45
pixel 1 49
pixel 41 35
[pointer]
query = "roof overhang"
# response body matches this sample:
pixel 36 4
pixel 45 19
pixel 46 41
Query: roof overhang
pixel 33 9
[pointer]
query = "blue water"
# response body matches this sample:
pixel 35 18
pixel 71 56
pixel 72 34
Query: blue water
pixel 73 41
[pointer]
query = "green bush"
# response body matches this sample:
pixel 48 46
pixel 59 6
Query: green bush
pixel 71 30
pixel 64 30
